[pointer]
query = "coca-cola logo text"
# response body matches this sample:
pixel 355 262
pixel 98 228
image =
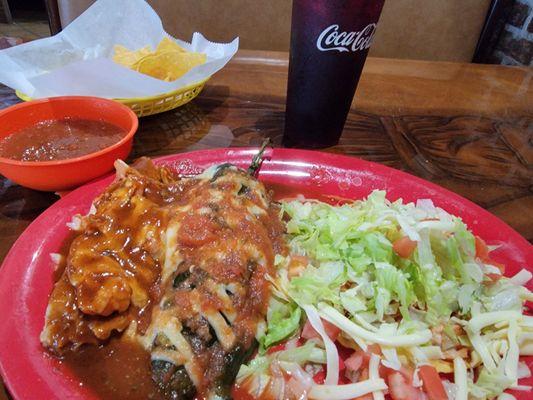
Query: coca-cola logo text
pixel 332 39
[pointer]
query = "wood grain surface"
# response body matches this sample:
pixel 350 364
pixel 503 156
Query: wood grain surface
pixel 466 127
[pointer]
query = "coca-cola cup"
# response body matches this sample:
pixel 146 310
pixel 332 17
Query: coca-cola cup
pixel 329 44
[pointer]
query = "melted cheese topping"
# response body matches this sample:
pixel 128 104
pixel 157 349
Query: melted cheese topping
pixel 220 248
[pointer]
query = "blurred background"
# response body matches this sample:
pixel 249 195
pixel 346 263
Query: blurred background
pixel 484 31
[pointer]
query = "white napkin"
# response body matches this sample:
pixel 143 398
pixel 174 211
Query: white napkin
pixel 78 61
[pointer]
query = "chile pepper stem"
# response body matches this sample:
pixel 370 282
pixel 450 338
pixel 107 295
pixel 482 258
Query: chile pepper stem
pixel 258 159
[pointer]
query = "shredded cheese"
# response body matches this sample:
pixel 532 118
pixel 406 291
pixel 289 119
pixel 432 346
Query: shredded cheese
pixel 391 358
pixel 506 396
pixel 373 373
pixel 481 321
pixel 482 350
pixel 522 277
pixel 513 353
pixel 332 355
pixel 356 332
pixel 460 378
pixel 346 392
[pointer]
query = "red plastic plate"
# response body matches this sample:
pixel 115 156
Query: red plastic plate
pixel 26 274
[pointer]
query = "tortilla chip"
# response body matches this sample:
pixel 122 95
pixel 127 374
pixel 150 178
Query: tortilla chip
pixel 128 58
pixel 168 62
pixel 170 65
pixel 168 44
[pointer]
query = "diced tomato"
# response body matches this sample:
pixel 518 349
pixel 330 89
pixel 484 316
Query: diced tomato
pixel 400 389
pixel 343 380
pixel 404 247
pixel 240 393
pixel 319 377
pixel 322 374
pixel 482 250
pixel 407 373
pixel 371 349
pixel 276 348
pixel 297 265
pixel 354 362
pixel 309 332
pixel 331 330
pixel 375 349
pixel 196 230
pixel 494 277
pixel 299 259
pixel 342 365
pixel 432 383
pixel 344 352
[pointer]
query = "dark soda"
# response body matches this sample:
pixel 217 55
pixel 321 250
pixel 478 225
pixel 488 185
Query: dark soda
pixel 329 44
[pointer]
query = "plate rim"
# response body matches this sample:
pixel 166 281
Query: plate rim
pixel 331 159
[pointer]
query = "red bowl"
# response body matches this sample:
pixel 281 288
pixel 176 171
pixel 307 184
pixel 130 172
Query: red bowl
pixel 66 174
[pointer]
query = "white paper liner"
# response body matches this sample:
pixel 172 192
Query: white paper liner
pixel 78 61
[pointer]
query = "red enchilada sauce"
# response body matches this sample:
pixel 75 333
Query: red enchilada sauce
pixel 60 139
pixel 116 370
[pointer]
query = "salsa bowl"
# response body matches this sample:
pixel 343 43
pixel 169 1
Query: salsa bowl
pixel 65 174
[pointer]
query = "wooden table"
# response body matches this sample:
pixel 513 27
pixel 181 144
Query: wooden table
pixel 466 127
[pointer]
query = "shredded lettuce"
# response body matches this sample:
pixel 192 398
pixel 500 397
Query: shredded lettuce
pixel 322 283
pixel 420 307
pixel 359 237
pixel 489 384
pixel 258 366
pixel 283 320
pixel 395 283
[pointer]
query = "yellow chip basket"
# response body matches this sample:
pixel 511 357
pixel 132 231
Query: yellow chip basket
pixel 143 106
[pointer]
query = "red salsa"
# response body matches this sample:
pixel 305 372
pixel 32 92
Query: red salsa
pixel 60 139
